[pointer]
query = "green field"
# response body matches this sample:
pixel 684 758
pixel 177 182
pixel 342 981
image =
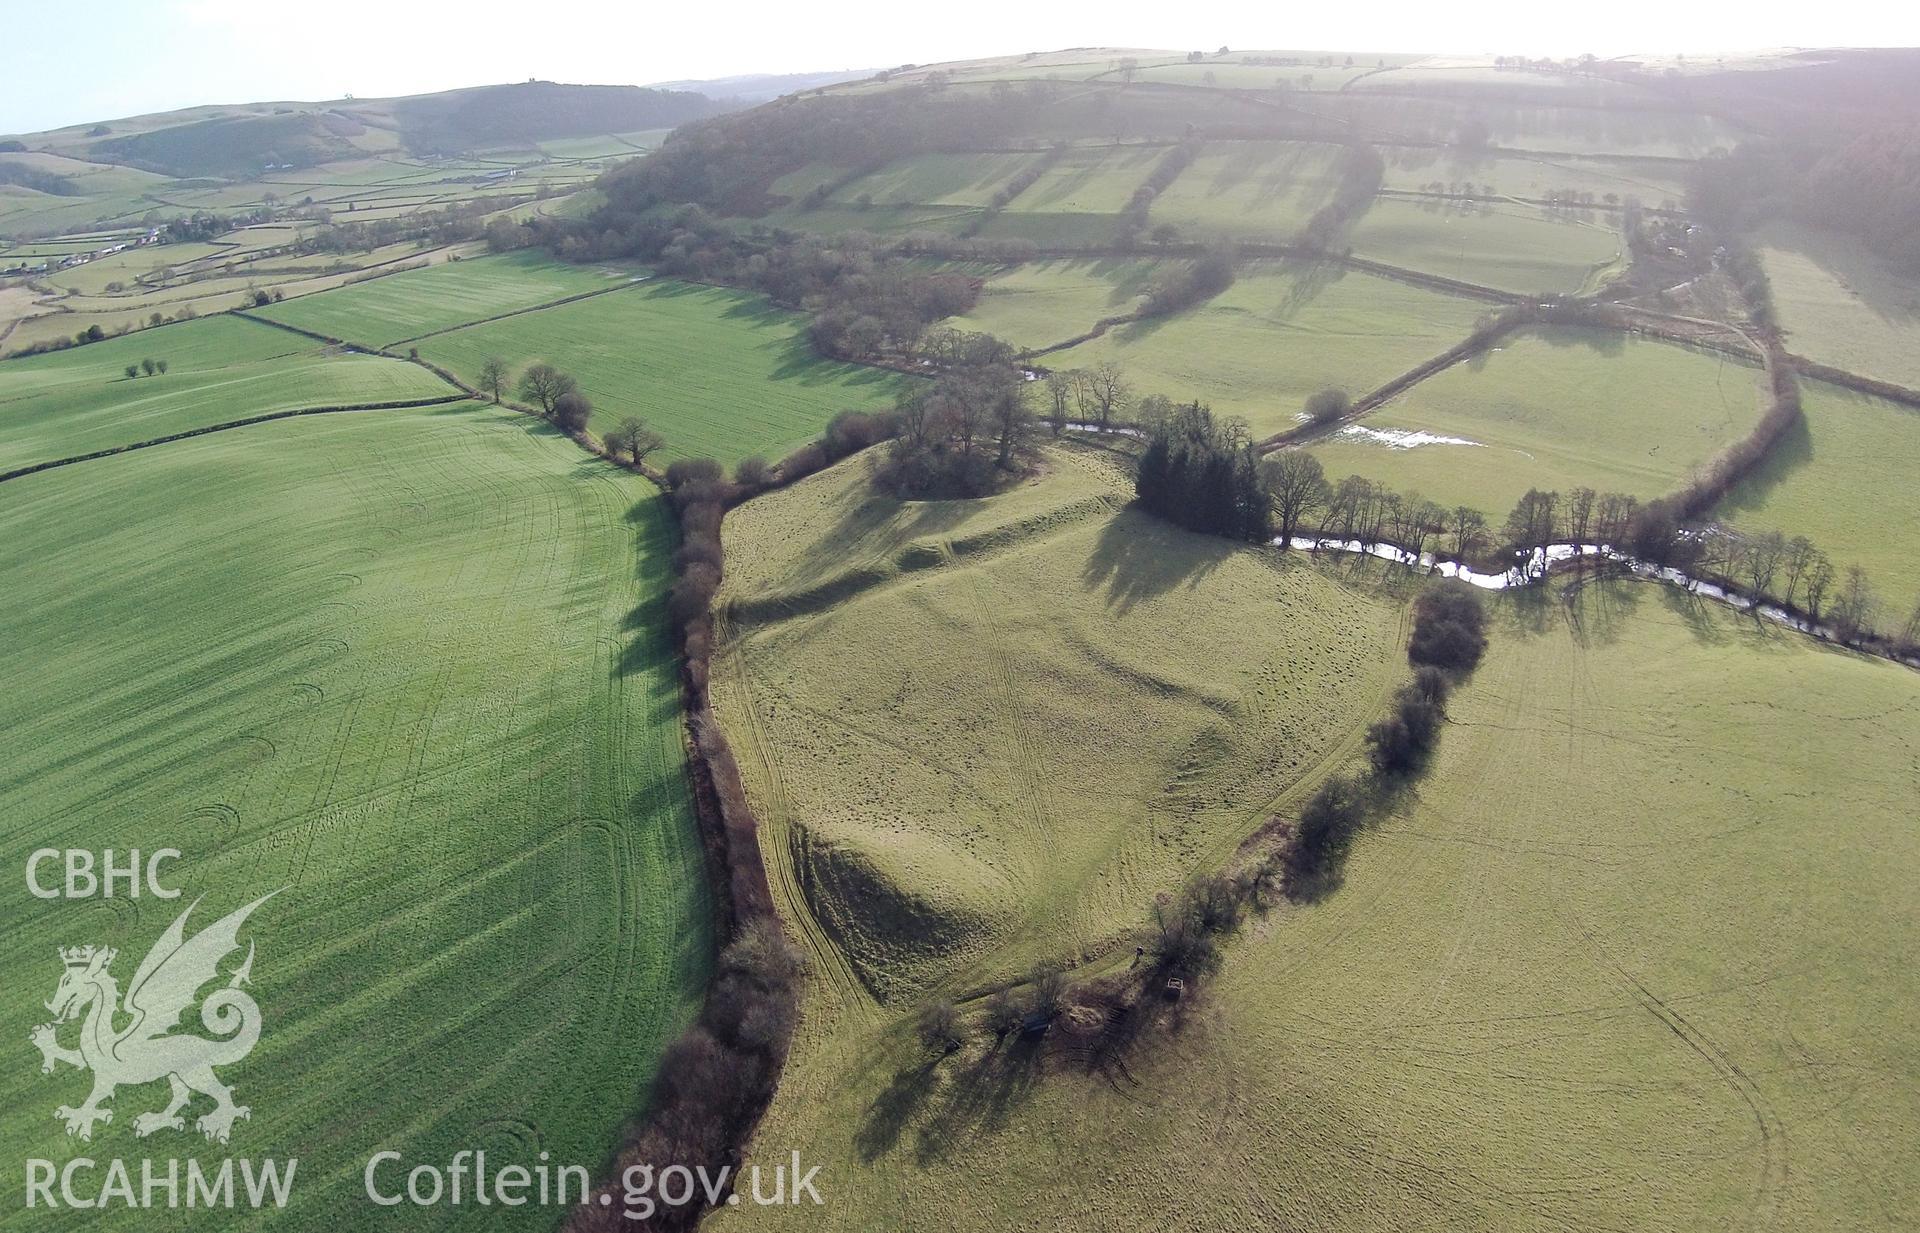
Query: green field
pixel 938 179
pixel 1512 247
pixel 1415 168
pixel 1250 190
pixel 1045 302
pixel 389 310
pixel 1095 180
pixel 1635 954
pixel 1275 336
pixel 218 369
pixel 1555 409
pixel 721 374
pixel 1841 306
pixel 980 733
pixel 1846 483
pixel 413 669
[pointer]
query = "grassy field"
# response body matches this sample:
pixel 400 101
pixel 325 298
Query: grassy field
pixel 1846 483
pixel 1275 336
pixel 1841 306
pixel 1250 190
pixel 1610 965
pixel 413 669
pixel 1413 168
pixel 389 310
pixel 1555 409
pixel 1096 180
pixel 1510 246
pixel 719 373
pixel 981 733
pixel 938 179
pixel 1044 302
pixel 218 369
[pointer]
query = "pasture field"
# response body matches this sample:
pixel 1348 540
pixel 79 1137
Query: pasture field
pixel 1279 333
pixel 968 179
pixel 1846 483
pixel 1414 168
pixel 982 733
pixel 218 369
pixel 1555 409
pixel 1841 306
pixel 411 671
pixel 1044 302
pixel 1089 180
pixel 1511 246
pixel 1250 190
pixel 1609 964
pixel 1514 124
pixel 721 374
pixel 405 306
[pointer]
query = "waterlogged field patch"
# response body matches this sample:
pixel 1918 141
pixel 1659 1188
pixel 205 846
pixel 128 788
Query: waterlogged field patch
pixel 411 671
pixel 1610 927
pixel 1845 481
pixel 1278 334
pixel 1555 409
pixel 720 373
pixel 219 369
pixel 982 733
pixel 407 305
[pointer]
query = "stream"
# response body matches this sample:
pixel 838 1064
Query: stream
pixel 1536 569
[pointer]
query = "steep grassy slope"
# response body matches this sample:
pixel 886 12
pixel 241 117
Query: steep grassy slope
pixel 983 733
pixel 1610 965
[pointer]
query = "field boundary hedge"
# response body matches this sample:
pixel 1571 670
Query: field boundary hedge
pixel 1856 381
pixel 36 468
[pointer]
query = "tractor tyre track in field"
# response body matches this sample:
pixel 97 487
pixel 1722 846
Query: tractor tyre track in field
pixel 1775 1170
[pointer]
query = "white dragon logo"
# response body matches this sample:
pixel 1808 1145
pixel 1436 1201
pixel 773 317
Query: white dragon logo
pixel 143 1051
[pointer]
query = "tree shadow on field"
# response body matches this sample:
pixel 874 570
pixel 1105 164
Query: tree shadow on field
pixel 887 1117
pixel 1790 453
pixel 1600 604
pixel 980 1098
pixel 1138 557
pixel 1604 342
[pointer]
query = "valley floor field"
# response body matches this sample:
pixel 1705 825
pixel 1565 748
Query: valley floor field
pixel 1554 409
pixel 1841 306
pixel 219 369
pixel 1259 348
pixel 720 374
pixel 404 306
pixel 1845 481
pixel 412 668
pixel 1609 964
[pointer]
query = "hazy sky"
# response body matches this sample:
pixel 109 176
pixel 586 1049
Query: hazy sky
pixel 61 64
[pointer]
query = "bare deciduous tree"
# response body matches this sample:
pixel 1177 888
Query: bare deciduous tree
pixel 493 377
pixel 1298 485
pixel 545 385
pixel 1111 393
